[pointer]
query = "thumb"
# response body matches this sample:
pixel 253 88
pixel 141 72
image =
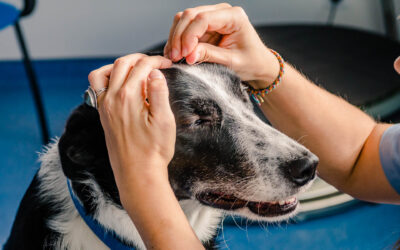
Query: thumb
pixel 157 93
pixel 205 52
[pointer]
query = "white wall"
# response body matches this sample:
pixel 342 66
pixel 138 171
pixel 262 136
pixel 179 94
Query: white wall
pixel 97 28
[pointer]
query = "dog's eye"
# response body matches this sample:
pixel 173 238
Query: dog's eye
pixel 196 121
pixel 202 121
pixel 199 114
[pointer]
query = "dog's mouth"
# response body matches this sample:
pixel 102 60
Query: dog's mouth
pixel 264 209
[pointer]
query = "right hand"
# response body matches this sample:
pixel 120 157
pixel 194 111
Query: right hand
pixel 222 34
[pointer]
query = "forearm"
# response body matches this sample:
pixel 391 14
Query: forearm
pixel 339 133
pixel 329 126
pixel 156 213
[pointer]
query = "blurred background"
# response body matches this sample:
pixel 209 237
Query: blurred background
pixel 325 39
pixel 98 28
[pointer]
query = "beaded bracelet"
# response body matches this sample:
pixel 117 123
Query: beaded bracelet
pixel 258 94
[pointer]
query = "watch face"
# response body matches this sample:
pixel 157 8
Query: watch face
pixel 90 98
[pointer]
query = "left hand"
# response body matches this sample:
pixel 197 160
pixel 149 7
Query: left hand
pixel 140 135
pixel 140 138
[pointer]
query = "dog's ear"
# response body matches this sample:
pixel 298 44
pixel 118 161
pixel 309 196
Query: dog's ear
pixel 83 155
pixel 156 50
pixel 82 146
pixel 155 53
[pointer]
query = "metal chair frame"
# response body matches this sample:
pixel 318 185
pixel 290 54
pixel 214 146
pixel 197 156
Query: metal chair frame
pixel 389 19
pixel 28 7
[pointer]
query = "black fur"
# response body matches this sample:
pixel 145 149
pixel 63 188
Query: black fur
pixel 205 152
pixel 29 230
pixel 83 155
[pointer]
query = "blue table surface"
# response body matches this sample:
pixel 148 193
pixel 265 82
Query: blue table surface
pixel 63 82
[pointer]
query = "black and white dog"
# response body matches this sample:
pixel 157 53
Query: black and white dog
pixel 227 160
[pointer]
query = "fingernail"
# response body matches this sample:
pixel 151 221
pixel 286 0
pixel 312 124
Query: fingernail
pixel 184 52
pixel 197 56
pixel 155 74
pixel 175 54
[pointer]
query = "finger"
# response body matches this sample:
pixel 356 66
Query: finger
pixel 177 52
pixel 397 65
pixel 99 78
pixel 140 72
pixel 144 66
pixel 167 48
pixel 120 71
pixel 135 86
pixel 205 52
pixel 210 37
pixel 223 21
pixel 157 92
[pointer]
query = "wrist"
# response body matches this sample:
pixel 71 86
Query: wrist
pixel 141 173
pixel 268 72
pixel 139 183
pixel 149 189
pixel 257 94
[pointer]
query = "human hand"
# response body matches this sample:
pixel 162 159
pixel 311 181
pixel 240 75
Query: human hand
pixel 397 65
pixel 140 138
pixel 140 135
pixel 222 34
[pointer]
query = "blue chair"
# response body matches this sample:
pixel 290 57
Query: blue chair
pixel 9 15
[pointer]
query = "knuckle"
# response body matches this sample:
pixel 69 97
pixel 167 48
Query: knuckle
pixel 188 13
pixel 239 11
pixel 202 16
pixel 140 54
pixel 177 16
pixel 225 5
pixel 121 61
pixel 92 76
pixel 144 60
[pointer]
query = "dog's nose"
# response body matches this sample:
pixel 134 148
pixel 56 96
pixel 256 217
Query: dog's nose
pixel 301 170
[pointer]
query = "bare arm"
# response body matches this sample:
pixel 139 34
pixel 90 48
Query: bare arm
pixel 151 204
pixel 140 138
pixel 345 139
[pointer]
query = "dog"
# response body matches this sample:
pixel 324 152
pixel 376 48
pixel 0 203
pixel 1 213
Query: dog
pixel 227 161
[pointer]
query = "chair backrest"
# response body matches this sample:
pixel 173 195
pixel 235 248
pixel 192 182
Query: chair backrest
pixel 29 5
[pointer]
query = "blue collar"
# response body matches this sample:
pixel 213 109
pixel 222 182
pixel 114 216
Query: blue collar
pixel 106 236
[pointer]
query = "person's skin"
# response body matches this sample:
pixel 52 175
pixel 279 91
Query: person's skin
pixel 140 138
pixel 345 139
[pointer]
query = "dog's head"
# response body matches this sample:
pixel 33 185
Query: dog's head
pixel 226 157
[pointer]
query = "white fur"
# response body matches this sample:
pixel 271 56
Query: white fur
pixel 77 235
pixel 267 183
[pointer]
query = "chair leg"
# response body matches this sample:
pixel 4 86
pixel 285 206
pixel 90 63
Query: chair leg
pixel 389 18
pixel 33 84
